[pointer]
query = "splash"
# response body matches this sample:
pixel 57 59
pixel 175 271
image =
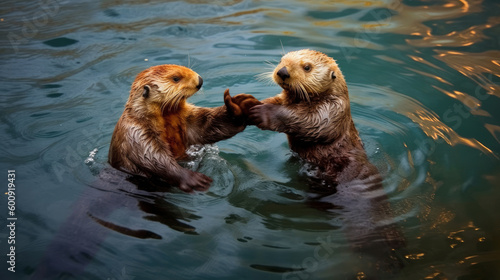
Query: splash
pixel 91 158
pixel 196 153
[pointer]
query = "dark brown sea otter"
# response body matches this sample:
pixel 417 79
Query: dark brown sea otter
pixel 158 124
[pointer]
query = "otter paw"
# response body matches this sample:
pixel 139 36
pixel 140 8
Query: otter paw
pixel 263 116
pixel 233 108
pixel 195 181
pixel 245 102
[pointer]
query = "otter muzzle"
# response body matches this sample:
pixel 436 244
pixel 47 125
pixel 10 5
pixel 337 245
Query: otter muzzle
pixel 283 73
pixel 200 82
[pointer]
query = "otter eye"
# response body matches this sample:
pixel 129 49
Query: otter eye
pixel 176 79
pixel 307 67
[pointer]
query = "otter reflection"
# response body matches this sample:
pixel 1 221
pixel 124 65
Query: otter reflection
pixel 367 221
pixel 355 220
pixel 84 231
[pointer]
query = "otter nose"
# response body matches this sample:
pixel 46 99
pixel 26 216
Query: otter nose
pixel 200 82
pixel 283 73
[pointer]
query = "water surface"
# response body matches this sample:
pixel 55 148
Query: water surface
pixel 424 83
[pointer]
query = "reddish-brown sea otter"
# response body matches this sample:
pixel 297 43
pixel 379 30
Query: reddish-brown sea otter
pixel 158 124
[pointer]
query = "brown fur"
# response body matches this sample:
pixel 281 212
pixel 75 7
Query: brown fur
pixel 158 125
pixel 314 111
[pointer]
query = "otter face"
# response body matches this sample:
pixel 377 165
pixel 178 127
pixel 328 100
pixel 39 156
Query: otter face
pixel 167 85
pixel 306 73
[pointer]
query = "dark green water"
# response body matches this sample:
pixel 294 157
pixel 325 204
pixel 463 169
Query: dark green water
pixel 424 83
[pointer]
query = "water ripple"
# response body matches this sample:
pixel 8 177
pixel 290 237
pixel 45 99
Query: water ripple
pixel 424 85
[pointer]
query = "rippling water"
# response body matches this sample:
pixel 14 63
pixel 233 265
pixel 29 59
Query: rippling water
pixel 424 83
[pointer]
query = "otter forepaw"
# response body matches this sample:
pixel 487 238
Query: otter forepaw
pixel 263 116
pixel 246 102
pixel 233 108
pixel 195 181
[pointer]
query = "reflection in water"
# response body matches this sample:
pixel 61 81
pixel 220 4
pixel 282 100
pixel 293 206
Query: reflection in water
pixel 367 221
pixel 142 234
pixel 428 121
pixel 82 234
pixel 461 38
pixel 164 212
pixel 354 216
pixel 424 78
pixel 478 67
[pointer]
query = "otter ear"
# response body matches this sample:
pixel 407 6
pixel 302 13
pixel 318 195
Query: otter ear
pixel 145 93
pixel 333 75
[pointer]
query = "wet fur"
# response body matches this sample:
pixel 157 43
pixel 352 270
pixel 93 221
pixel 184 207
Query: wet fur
pixel 158 124
pixel 153 132
pixel 314 111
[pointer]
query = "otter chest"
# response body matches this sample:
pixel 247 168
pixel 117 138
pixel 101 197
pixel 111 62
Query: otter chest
pixel 175 134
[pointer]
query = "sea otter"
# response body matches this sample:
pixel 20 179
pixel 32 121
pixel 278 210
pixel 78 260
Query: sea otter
pixel 158 124
pixel 153 132
pixel 313 110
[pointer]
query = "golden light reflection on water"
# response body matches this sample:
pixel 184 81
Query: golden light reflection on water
pixel 461 38
pixel 479 67
pixel 416 256
pixel 389 59
pixel 423 61
pixel 471 102
pixel 428 121
pixel 435 129
pixel 402 19
pixel 494 130
pixel 429 75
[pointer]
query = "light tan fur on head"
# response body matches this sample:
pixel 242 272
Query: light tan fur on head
pixel 163 87
pixel 310 73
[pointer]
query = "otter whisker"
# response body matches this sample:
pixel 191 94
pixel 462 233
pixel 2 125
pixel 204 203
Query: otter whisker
pixel 193 65
pixel 265 77
pixel 282 48
pixel 270 64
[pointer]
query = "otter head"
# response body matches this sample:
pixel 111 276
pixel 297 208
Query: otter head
pixel 307 73
pixel 164 87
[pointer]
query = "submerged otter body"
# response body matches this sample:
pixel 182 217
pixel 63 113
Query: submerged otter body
pixel 158 124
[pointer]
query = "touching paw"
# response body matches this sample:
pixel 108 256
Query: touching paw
pixel 263 116
pixel 246 102
pixel 233 108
